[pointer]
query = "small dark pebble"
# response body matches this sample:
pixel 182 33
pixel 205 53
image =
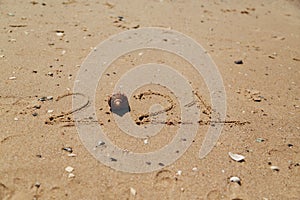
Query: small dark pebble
pixel 161 164
pixel 34 114
pixel 239 62
pixel 37 106
pixel 290 145
pixel 37 184
pixel 120 18
pixel 148 163
pixel 39 156
pixel 34 71
pixel 113 159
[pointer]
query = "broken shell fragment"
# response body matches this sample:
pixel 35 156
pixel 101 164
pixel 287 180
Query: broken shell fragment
pixel 236 157
pixel 274 168
pixel 69 169
pixel 235 179
pixel 132 191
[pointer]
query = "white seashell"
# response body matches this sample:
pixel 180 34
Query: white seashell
pixel 71 175
pixel 133 191
pixel 274 168
pixel 236 157
pixel 145 141
pixel 179 172
pixel 235 179
pixel 69 169
pixel 60 34
pixel 12 78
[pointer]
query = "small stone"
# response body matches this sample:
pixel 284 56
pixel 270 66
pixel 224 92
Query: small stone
pixel 257 99
pixel 12 78
pixel 179 172
pixel 238 62
pixel 37 184
pixel 195 169
pixel 72 155
pixel 42 99
pixel 113 160
pixel 260 140
pixel 146 141
pixel 69 169
pixel 133 191
pixel 37 106
pixel 34 114
pixel 68 149
pixel 16 119
pixel 71 175
pixel 50 111
pixel 49 98
pixel 100 143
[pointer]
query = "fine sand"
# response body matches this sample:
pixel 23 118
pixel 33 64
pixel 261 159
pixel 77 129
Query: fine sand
pixel 44 43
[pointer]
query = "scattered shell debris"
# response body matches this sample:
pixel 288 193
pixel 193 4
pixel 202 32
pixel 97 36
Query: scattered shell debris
pixel 60 33
pixel 132 191
pixel 274 168
pixel 69 169
pixel 235 179
pixel 48 98
pixel 146 141
pixel 179 173
pixel 68 149
pixel 12 78
pixel 71 175
pixel 260 140
pixel 100 143
pixel 236 157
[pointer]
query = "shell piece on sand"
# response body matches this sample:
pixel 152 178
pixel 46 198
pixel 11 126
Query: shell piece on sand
pixel 69 169
pixel 235 179
pixel 132 191
pixel 274 168
pixel 236 157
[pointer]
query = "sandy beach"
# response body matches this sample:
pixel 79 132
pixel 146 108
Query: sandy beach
pixel 255 46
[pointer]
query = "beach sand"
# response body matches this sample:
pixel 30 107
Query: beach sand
pixel 44 43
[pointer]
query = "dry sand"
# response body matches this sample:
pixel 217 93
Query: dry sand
pixel 264 34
